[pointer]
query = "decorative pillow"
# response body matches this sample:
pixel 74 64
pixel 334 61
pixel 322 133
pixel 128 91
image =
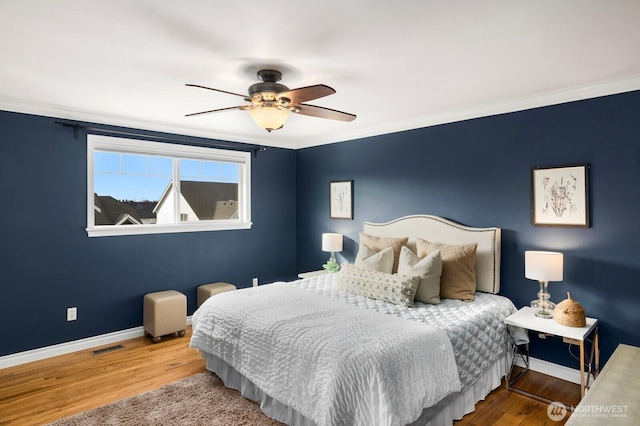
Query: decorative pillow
pixel 458 280
pixel 392 288
pixel 379 243
pixel 372 260
pixel 428 269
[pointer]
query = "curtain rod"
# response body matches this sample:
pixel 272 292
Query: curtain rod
pixel 76 126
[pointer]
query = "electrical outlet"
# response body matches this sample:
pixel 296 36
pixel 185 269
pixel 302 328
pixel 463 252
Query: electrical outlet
pixel 255 282
pixel 72 314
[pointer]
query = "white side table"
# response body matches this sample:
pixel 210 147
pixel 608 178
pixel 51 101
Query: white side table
pixel 526 319
pixel 312 273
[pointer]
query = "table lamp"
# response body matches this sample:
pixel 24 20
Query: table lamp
pixel 332 243
pixel 543 266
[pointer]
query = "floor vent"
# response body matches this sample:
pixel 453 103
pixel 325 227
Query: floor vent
pixel 106 350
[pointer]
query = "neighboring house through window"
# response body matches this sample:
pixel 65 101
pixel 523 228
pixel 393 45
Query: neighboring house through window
pixel 199 201
pixel 141 187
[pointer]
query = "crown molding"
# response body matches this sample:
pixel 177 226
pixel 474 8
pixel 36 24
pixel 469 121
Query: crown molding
pixel 503 107
pixel 496 108
pixel 71 114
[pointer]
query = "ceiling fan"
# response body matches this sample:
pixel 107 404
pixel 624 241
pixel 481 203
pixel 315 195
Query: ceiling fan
pixel 269 102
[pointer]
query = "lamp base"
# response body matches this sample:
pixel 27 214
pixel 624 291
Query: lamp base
pixel 543 306
pixel 543 311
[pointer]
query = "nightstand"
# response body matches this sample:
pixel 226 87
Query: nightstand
pixel 526 319
pixel 312 273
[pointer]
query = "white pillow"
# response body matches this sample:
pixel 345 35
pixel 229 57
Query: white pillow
pixel 429 269
pixel 371 260
pixel 393 288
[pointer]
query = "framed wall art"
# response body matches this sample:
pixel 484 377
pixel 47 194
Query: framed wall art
pixel 560 196
pixel 341 199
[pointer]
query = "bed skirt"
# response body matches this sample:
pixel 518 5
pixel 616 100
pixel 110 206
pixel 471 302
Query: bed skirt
pixel 451 408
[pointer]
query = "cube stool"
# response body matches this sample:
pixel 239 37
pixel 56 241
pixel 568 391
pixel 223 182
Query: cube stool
pixel 205 291
pixel 164 312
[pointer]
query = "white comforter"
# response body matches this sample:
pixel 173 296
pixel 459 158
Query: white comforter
pixel 334 363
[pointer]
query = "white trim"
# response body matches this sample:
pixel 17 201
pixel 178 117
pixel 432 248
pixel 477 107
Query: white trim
pixel 138 146
pixel 73 346
pixel 511 105
pixel 485 110
pixel 130 218
pixel 106 231
pixel 550 369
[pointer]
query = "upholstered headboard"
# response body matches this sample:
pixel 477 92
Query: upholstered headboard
pixel 440 230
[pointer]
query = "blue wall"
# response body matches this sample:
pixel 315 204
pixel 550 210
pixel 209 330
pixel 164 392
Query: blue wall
pixel 47 262
pixel 478 173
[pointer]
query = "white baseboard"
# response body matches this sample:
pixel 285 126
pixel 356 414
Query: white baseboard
pixel 551 369
pixel 69 347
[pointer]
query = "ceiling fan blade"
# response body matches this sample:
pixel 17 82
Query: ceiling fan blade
pixel 321 112
pixel 215 90
pixel 216 110
pixel 304 94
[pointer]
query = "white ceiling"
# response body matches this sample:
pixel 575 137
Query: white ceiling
pixel 396 65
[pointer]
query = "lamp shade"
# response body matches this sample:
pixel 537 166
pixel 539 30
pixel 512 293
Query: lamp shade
pixel 269 117
pixel 543 265
pixel 332 242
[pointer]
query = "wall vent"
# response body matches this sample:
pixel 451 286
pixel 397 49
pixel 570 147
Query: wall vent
pixel 106 350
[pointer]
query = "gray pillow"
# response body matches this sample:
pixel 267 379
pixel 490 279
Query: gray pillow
pixel 393 288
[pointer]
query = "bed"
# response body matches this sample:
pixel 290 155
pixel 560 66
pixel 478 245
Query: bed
pixel 344 349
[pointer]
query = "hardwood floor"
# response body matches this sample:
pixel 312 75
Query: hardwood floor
pixel 47 390
pixel 44 391
pixel 511 409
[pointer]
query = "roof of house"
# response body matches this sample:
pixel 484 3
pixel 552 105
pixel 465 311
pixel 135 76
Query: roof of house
pixel 144 209
pixel 209 200
pixel 203 197
pixel 109 211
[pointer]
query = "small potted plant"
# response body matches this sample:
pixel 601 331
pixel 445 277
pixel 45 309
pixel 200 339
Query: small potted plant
pixel 331 265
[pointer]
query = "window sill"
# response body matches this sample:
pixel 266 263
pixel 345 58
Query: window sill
pixel 110 230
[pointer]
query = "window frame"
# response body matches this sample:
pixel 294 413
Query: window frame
pixel 175 151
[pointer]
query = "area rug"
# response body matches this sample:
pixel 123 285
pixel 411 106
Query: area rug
pixel 200 399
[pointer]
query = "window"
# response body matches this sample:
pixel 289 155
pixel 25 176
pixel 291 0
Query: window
pixel 141 187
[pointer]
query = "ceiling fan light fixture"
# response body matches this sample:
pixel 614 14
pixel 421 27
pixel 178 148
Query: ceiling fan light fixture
pixel 269 117
pixel 270 102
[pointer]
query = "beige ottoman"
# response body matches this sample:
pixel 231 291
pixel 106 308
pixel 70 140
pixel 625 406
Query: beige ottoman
pixel 205 291
pixel 164 312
